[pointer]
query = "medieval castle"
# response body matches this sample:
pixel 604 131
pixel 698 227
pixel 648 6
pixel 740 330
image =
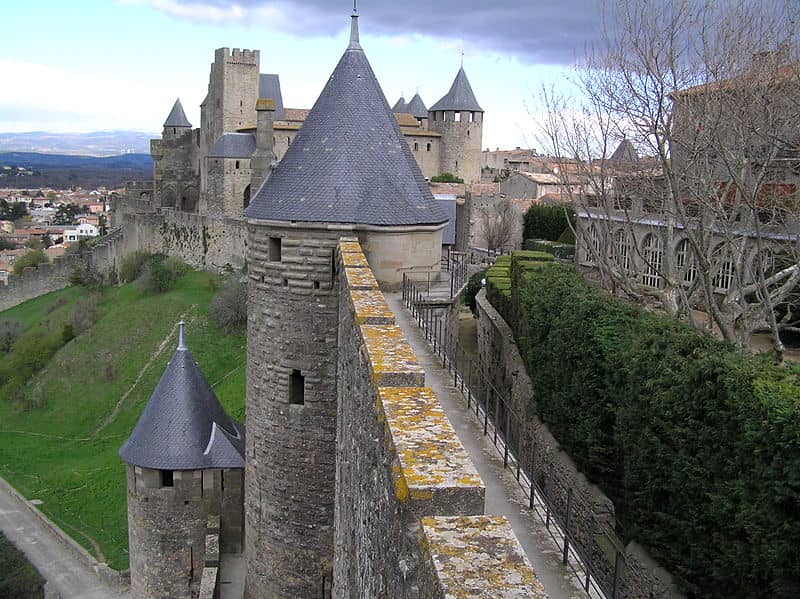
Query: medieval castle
pixel 349 480
pixel 245 129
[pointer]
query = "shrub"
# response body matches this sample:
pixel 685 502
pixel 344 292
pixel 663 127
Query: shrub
pixel 32 258
pixel 697 445
pixel 29 354
pixel 67 333
pixel 547 222
pixel 86 276
pixel 228 309
pixel 446 178
pixel 131 266
pixel 10 330
pixel 159 273
pixel 85 313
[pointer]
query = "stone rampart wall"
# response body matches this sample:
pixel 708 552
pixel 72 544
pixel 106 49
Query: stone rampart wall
pixel 104 257
pixel 592 514
pixel 201 241
pixel 409 502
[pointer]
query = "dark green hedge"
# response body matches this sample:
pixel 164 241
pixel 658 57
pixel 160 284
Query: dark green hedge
pixel 547 222
pixel 697 445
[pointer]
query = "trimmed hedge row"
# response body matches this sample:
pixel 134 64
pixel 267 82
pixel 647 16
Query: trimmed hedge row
pixel 504 274
pixel 548 222
pixel 697 445
pixel 562 251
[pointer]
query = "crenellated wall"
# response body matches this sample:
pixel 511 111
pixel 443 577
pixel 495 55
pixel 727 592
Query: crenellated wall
pixel 409 502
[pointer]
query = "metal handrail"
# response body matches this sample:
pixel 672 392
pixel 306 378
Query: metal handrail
pixel 508 432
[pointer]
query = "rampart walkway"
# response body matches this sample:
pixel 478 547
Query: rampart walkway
pixel 503 495
pixel 67 577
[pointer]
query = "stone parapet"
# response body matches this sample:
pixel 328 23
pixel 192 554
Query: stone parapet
pixel 479 558
pixel 409 502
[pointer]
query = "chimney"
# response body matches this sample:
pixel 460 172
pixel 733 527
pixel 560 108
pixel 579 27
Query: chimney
pixel 262 158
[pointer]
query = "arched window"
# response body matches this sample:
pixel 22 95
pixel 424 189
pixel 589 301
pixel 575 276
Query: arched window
pixel 685 262
pixel 653 257
pixel 764 262
pixel 246 198
pixel 622 250
pixel 592 244
pixel 722 267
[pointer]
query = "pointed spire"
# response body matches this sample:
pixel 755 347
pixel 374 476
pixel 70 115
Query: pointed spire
pixel 354 41
pixel 460 96
pixel 181 340
pixel 177 117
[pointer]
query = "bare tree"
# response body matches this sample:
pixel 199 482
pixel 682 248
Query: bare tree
pixel 499 222
pixel 706 223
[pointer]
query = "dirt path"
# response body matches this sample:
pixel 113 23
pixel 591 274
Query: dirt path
pixel 159 350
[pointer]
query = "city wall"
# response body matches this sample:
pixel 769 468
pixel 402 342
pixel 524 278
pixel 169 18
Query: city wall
pixel 103 257
pixel 409 502
pixel 592 514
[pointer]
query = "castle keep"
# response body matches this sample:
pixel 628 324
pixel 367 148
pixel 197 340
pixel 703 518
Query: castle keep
pixel 355 483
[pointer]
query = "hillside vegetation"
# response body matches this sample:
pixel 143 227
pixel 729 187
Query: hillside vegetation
pixel 60 432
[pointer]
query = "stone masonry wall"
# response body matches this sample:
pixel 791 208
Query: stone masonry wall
pixel 592 515
pixel 460 144
pixel 291 410
pixel 52 276
pixel 201 241
pixel 409 502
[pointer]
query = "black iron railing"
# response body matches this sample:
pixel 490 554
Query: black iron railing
pixel 591 549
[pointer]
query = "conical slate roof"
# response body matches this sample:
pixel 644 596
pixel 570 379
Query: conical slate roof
pixel 625 152
pixel 177 118
pixel 183 426
pixel 417 107
pixel 349 162
pixel 460 96
pixel 400 106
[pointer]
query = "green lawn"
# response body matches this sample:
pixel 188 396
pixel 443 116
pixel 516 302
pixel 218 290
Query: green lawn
pixel 55 453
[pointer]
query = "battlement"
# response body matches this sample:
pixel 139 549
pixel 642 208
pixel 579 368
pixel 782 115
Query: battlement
pixel 237 56
pixel 402 462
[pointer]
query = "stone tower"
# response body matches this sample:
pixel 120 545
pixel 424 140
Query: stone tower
pixel 349 171
pixel 174 162
pixel 184 463
pixel 459 119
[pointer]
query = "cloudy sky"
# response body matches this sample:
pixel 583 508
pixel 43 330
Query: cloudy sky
pixel 88 65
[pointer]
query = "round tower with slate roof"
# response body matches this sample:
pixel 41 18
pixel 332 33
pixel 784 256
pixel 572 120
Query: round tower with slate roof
pixel 185 461
pixel 174 163
pixel 459 119
pixel 349 172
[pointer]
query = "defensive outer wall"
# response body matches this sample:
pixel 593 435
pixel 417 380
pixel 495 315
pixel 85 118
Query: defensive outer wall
pixel 409 502
pixel 205 242
pixel 592 520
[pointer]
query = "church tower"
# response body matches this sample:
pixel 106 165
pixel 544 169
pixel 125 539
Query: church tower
pixel 184 463
pixel 349 172
pixel 459 119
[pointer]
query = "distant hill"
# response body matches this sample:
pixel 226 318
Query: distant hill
pixel 32 170
pixel 98 143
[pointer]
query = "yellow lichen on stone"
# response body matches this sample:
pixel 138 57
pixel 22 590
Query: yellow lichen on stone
pixel 391 359
pixel 348 247
pixel 369 307
pixel 479 557
pixel 429 452
pixel 360 278
pixel 354 260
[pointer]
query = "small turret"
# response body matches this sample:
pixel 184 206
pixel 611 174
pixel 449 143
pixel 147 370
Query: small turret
pixel 459 119
pixel 176 124
pixel 185 460
pixel 400 106
pixel 416 108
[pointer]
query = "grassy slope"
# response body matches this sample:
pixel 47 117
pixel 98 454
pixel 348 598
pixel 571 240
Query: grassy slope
pixel 53 453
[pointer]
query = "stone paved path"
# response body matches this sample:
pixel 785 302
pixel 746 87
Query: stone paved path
pixel 67 577
pixel 503 495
